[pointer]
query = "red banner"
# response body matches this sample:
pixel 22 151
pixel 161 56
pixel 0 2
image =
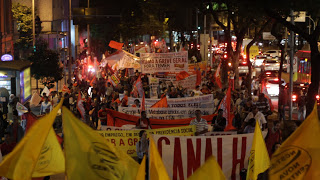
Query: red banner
pixel 116 45
pixel 119 119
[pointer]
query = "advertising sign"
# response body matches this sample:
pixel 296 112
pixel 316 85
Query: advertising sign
pixel 25 85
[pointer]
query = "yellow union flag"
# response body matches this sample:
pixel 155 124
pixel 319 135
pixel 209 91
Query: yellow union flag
pixel 157 169
pixel 299 157
pixel 210 170
pixel 141 175
pixel 90 156
pixel 25 160
pixel 259 158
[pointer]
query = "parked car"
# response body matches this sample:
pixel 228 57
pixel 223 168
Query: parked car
pixel 270 65
pixel 273 53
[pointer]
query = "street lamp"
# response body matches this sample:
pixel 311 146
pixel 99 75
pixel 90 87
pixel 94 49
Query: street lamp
pixel 314 24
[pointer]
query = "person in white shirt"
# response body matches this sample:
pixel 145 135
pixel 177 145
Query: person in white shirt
pixel 46 106
pixel 256 114
pixel 201 124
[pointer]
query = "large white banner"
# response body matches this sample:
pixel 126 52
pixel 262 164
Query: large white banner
pixel 153 83
pixel 166 113
pixel 164 62
pixel 205 101
pixel 188 83
pixel 182 155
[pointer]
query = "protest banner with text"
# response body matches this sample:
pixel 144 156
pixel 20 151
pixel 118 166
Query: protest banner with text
pixel 183 155
pixel 126 139
pixel 118 119
pixel 164 62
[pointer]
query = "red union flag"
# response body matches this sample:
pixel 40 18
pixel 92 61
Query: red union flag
pixel 137 87
pixel 217 76
pixel 115 45
pixel 226 106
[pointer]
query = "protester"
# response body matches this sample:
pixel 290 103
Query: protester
pixel 143 122
pixel 274 136
pixel 250 126
pixel 15 129
pixel 142 146
pixel 219 122
pixel 46 106
pixel 8 145
pixel 263 105
pixel 257 115
pixel 201 124
pixel 102 115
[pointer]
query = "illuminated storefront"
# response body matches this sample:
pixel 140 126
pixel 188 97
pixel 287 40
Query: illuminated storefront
pixel 15 76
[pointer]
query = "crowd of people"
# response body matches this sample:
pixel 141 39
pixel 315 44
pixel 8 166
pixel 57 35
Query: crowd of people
pixel 97 94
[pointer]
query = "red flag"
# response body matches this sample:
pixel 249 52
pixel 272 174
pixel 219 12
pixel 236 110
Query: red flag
pixel 137 87
pixel 198 82
pixel 65 89
pixel 143 104
pixel 182 75
pixel 116 45
pixel 217 76
pixel 110 69
pixel 266 95
pixel 31 118
pixel 80 106
pixel 93 81
pixel 162 103
pixel 226 106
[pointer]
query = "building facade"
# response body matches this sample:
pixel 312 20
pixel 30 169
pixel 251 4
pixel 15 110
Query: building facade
pixel 6 27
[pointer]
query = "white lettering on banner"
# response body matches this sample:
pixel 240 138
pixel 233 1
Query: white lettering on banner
pixel 178 113
pixel 222 133
pixel 183 155
pixel 195 102
pixel 164 62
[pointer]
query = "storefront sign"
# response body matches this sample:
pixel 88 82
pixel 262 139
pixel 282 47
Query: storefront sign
pixel 25 84
pixel 6 57
pixel 164 62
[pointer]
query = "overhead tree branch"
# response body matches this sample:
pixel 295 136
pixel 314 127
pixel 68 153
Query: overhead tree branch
pixel 290 26
pixel 216 18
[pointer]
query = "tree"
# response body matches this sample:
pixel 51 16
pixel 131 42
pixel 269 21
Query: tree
pixel 23 15
pixel 45 64
pixel 279 10
pixel 141 17
pixel 240 16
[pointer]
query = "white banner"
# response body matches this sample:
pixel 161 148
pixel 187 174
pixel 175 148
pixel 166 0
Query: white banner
pixel 188 83
pixel 153 83
pixel 164 62
pixel 182 155
pixel 128 62
pixel 166 113
pixel 205 101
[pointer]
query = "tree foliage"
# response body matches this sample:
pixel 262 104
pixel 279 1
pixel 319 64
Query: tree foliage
pixel 23 16
pixel 45 64
pixel 141 17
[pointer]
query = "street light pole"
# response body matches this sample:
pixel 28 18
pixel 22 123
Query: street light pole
pixel 69 40
pixel 88 31
pixel 292 43
pixel 33 26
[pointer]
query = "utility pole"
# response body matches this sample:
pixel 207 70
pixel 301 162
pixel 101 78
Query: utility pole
pixel 292 43
pixel 69 40
pixel 88 31
pixel 197 28
pixel 33 27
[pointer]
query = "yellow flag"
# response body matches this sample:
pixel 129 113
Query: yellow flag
pixel 299 156
pixel 51 160
pixel 22 161
pixel 157 169
pixel 210 170
pixel 141 175
pixel 90 156
pixel 259 160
